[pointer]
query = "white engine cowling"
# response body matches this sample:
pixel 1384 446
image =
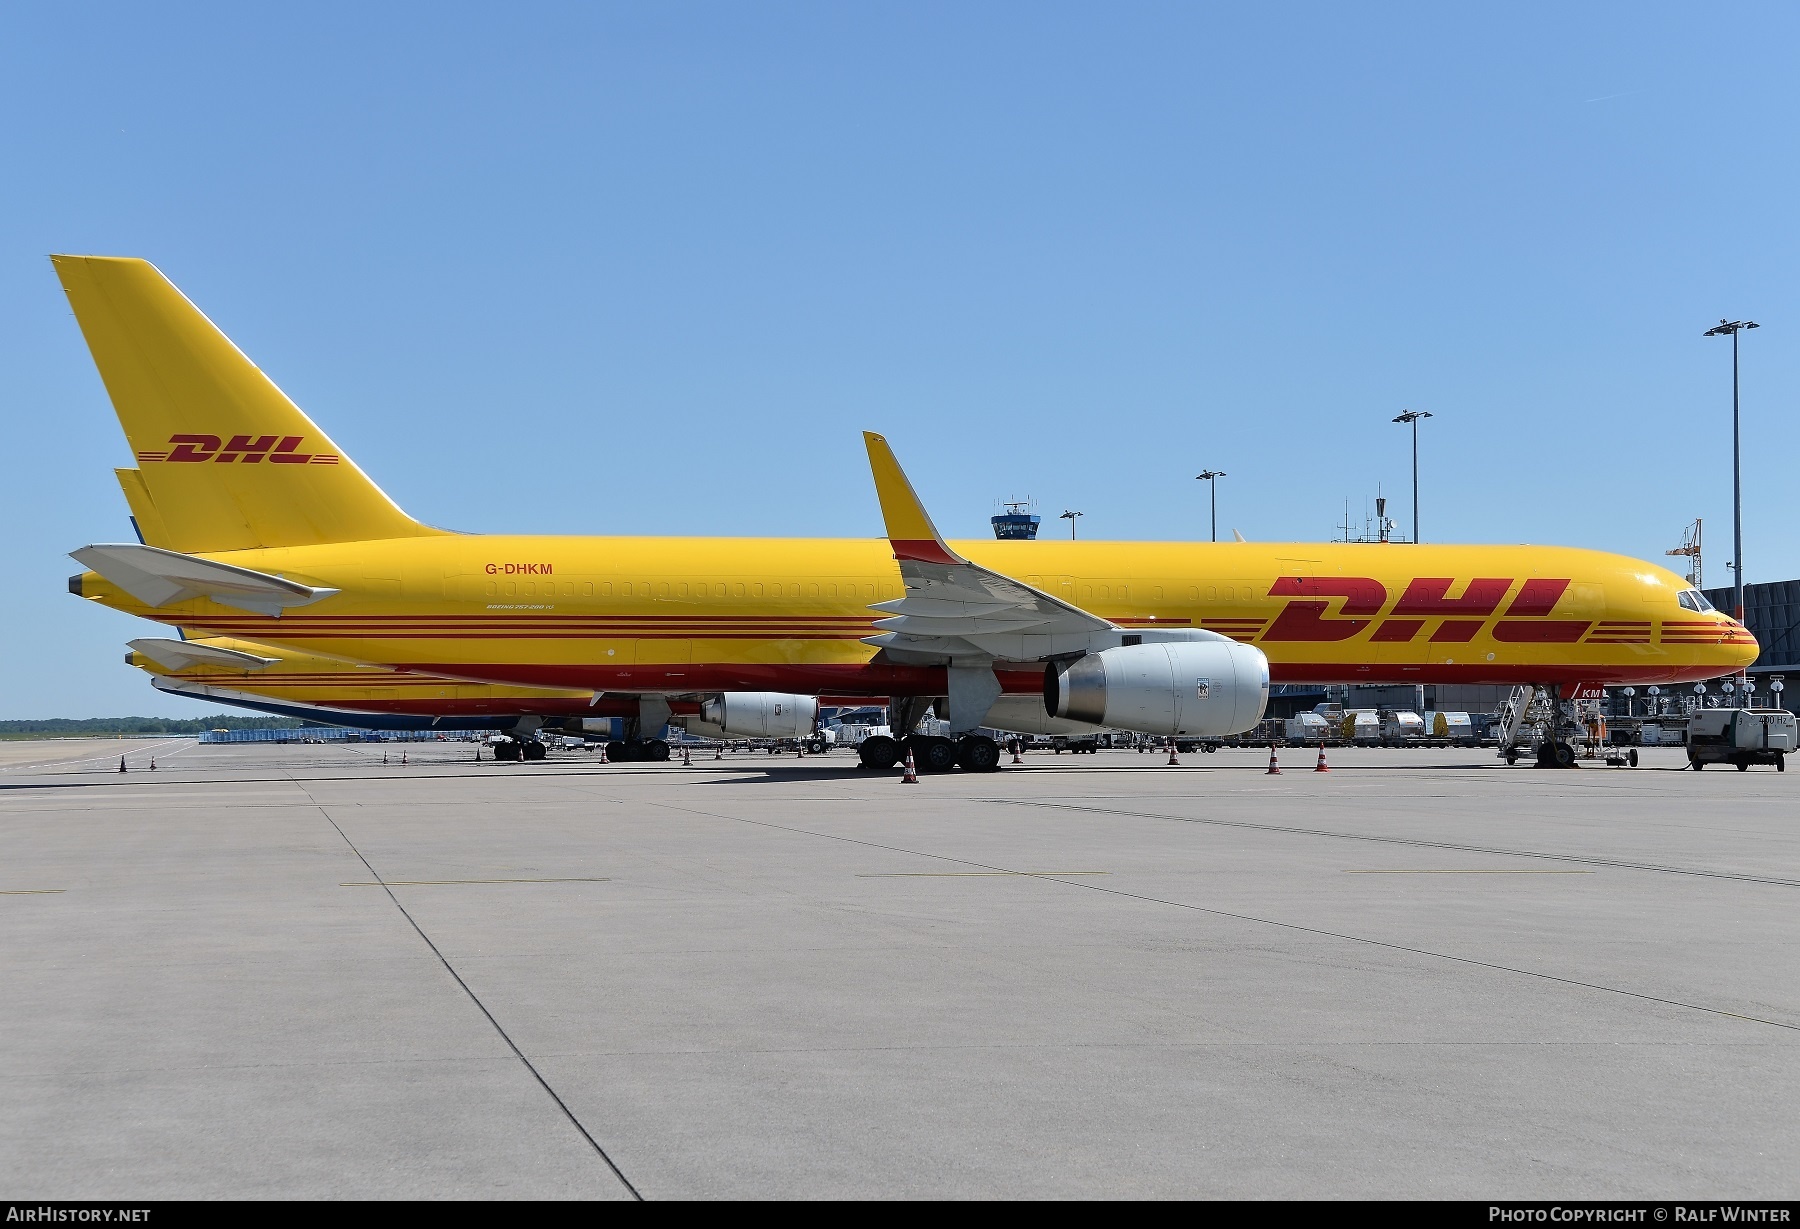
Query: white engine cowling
pixel 1026 715
pixel 1200 688
pixel 755 714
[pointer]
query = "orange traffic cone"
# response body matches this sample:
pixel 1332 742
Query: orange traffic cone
pixel 603 753
pixel 152 765
pixel 403 757
pixel 911 775
pixel 1017 758
pixel 1173 762
pixel 1274 764
pixel 1322 766
pixel 687 756
pixel 121 763
pixel 384 757
pixel 719 752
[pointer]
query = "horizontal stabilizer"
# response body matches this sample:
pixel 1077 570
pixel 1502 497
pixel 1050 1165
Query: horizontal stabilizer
pixel 158 577
pixel 180 654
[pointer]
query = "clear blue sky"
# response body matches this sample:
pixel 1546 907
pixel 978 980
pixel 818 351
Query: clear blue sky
pixel 649 268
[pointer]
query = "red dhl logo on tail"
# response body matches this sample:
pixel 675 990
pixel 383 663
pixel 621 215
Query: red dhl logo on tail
pixel 249 449
pixel 1526 620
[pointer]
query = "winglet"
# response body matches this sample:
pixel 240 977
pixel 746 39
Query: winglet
pixel 909 528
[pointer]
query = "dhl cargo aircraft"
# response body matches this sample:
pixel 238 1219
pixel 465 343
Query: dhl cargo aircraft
pixel 271 679
pixel 256 526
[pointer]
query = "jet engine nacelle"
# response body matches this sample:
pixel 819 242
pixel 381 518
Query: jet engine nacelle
pixel 1026 715
pixel 1205 688
pixel 755 714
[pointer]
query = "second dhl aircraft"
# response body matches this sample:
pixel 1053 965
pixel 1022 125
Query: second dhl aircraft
pixel 256 527
pixel 287 683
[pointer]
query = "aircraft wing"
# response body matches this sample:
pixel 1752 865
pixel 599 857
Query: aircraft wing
pixel 180 654
pixel 157 577
pixel 954 608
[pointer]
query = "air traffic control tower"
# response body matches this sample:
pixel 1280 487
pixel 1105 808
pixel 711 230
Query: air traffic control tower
pixel 1017 522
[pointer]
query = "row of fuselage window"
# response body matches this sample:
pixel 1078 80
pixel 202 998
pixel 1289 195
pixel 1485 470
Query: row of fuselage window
pixel 792 589
pixel 689 590
pixel 810 589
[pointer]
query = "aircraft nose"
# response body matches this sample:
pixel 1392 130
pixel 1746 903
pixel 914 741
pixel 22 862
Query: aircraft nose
pixel 1743 647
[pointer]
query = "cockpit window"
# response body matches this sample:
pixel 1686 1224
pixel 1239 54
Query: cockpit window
pixel 1693 599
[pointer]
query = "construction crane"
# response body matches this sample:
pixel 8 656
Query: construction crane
pixel 1690 546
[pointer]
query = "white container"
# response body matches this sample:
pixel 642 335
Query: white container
pixel 1457 727
pixel 1360 726
pixel 1307 728
pixel 1401 727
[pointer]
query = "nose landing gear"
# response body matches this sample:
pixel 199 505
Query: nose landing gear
pixel 1555 755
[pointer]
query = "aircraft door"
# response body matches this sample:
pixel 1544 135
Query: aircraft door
pixel 671 657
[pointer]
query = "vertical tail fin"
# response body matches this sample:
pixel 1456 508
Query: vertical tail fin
pixel 144 517
pixel 228 462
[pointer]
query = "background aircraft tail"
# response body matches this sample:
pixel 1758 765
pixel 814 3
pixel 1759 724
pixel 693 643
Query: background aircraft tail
pixel 224 458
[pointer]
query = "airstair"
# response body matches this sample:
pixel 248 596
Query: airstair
pixel 1558 731
pixel 1518 731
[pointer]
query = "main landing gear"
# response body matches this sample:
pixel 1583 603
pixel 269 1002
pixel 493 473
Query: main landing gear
pixel 972 753
pixel 651 751
pixel 519 749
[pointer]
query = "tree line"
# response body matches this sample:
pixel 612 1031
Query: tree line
pixel 146 725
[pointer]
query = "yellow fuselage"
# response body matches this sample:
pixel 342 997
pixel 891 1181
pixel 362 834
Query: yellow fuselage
pixel 676 615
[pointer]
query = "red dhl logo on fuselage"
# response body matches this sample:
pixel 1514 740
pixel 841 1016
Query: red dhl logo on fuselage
pixel 249 449
pixel 1526 619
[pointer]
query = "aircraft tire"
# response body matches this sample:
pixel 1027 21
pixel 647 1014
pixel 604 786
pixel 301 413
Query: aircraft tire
pixel 656 751
pixel 533 749
pixel 506 751
pixel 933 754
pixel 878 753
pixel 1631 757
pixel 978 753
pixel 1563 756
pixel 615 751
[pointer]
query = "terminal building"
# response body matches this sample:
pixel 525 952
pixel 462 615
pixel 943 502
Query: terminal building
pixel 1772 612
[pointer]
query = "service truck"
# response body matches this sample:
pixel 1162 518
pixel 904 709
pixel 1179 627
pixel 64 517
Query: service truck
pixel 1741 736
